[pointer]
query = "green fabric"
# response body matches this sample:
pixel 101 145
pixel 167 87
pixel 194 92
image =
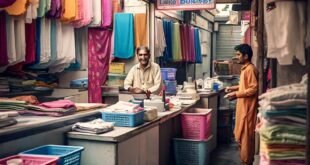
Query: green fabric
pixel 283 134
pixel 48 5
pixel 42 8
pixel 176 43
pixel 287 155
pixel 297 113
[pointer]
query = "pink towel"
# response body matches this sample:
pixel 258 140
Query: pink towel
pixel 107 13
pixel 58 104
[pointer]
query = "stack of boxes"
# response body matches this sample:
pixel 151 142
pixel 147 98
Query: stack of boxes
pixel 116 76
pixel 194 146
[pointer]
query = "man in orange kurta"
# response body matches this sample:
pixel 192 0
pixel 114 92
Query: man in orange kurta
pixel 246 94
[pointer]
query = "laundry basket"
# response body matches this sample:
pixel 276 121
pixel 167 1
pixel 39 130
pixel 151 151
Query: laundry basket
pixel 68 155
pixel 31 160
pixel 196 123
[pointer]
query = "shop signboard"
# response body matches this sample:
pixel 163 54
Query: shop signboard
pixel 185 4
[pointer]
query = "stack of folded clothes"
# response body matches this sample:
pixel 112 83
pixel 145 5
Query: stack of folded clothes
pixel 7 118
pixel 124 107
pixel 54 108
pixel 282 126
pixel 97 126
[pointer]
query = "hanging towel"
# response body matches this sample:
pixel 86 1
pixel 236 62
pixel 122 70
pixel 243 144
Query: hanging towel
pixel 107 13
pixel 6 3
pixel 97 14
pixel 3 44
pixel 38 42
pixel 10 39
pixel 141 34
pixel 168 36
pixel 98 62
pixel 176 43
pixel 198 57
pixel 69 8
pixel 160 41
pixel 192 44
pixel 17 8
pixel 30 43
pixel 123 37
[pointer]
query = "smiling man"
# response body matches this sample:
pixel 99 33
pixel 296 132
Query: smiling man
pixel 246 94
pixel 144 77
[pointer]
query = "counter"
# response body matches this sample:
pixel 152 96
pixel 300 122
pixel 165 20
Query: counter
pixel 32 131
pixel 149 143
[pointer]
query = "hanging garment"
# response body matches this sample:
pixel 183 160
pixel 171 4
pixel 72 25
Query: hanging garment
pixel 48 5
pixel 98 62
pixel 308 27
pixel 198 57
pixel 10 39
pixel 69 7
pixel 78 50
pixel 160 41
pixel 168 36
pixel 141 33
pixel 107 13
pixel 183 42
pixel 17 8
pixel 97 14
pixel 38 40
pixel 55 10
pixel 32 9
pixel 30 43
pixel 285 28
pixel 42 8
pixel 86 14
pixel 53 47
pixel 79 13
pixel 67 50
pixel 6 3
pixel 176 43
pixel 192 44
pixel 45 40
pixel 124 35
pixel 3 44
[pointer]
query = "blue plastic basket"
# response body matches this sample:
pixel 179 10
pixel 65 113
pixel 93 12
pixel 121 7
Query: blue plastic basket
pixel 124 119
pixel 68 155
pixel 168 73
pixel 189 152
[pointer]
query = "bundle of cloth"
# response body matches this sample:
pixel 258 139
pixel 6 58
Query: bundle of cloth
pixel 54 108
pixel 124 107
pixel 97 126
pixel 282 125
pixel 8 119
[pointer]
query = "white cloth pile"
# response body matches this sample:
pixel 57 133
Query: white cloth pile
pixel 97 126
pixel 123 107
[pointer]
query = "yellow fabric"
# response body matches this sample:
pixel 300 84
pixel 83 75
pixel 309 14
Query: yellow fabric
pixel 69 10
pixel 17 8
pixel 140 30
pixel 246 110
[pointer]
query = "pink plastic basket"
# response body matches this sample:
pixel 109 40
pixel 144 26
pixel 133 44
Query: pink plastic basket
pixel 31 160
pixel 196 124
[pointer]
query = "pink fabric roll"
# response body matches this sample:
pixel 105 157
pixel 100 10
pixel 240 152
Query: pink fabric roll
pixel 99 49
pixel 107 13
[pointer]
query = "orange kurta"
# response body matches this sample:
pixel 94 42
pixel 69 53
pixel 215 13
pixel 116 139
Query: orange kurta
pixel 247 96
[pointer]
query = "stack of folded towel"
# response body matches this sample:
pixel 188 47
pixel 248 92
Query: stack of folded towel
pixel 7 118
pixel 97 126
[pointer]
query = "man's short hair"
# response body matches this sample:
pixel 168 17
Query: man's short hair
pixel 143 48
pixel 245 49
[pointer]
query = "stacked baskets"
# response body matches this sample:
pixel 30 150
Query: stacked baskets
pixel 194 147
pixel 168 75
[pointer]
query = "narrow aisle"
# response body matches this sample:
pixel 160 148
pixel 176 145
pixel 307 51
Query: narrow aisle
pixel 225 154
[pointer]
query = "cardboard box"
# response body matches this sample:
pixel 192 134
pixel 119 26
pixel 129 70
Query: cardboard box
pixel 117 68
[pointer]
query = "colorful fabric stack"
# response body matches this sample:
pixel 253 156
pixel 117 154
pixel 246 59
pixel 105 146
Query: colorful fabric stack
pixel 282 126
pixel 55 108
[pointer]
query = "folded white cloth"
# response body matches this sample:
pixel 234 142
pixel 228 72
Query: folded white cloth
pixel 123 107
pixel 96 126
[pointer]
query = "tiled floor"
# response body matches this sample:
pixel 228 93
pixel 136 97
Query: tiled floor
pixel 227 154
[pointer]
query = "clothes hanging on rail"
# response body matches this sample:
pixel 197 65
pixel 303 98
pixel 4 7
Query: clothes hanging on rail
pixel 123 35
pixel 107 13
pixel 30 43
pixel 198 57
pixel 97 15
pixel 160 41
pixel 168 35
pixel 176 43
pixel 17 8
pixel 285 28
